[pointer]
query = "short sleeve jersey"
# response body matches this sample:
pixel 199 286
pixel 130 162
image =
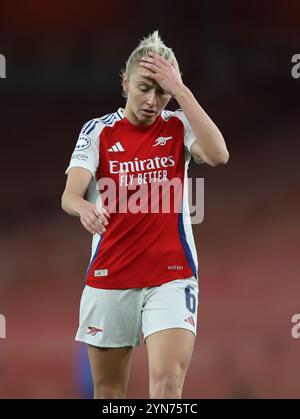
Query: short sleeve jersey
pixel 140 177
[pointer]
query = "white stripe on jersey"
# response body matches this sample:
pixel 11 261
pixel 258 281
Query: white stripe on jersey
pixel 187 225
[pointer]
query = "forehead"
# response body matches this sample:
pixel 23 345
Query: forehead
pixel 136 75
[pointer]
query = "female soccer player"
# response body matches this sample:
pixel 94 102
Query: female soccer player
pixel 142 274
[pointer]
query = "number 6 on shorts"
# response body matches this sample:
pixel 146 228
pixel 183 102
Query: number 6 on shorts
pixel 190 299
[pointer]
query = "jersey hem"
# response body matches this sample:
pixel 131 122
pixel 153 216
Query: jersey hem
pixel 92 284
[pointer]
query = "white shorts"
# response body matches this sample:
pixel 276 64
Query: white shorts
pixel 115 318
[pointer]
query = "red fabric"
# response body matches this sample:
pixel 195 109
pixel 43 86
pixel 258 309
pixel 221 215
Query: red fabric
pixel 141 249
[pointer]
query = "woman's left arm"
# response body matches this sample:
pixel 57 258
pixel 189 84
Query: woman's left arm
pixel 210 145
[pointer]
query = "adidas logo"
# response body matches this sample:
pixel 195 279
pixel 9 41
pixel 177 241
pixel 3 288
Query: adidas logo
pixel 116 147
pixel 190 320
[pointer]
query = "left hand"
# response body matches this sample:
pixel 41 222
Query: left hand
pixel 165 74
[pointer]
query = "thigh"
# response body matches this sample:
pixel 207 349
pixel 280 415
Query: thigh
pixel 169 354
pixel 110 368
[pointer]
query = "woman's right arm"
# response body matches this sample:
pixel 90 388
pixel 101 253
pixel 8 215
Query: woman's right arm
pixel 72 201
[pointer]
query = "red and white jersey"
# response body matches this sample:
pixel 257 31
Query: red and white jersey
pixel 141 247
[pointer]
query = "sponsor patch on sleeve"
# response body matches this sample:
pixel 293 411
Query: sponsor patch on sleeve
pixel 82 143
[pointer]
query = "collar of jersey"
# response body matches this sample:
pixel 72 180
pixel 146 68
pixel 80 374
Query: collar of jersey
pixel 138 127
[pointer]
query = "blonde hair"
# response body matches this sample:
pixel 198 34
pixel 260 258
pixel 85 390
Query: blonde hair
pixel 150 43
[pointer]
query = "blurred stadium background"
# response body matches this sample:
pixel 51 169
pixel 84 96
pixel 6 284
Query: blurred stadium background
pixel 63 64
